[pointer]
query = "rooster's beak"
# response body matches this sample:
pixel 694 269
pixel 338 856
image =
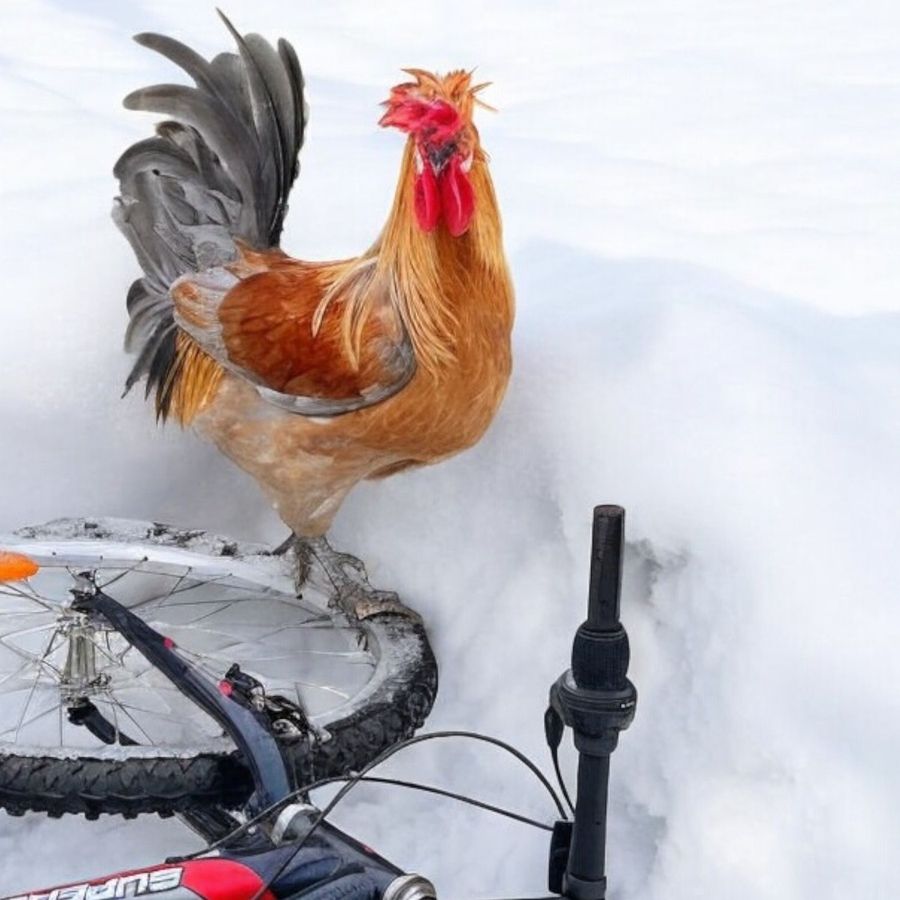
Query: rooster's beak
pixel 438 156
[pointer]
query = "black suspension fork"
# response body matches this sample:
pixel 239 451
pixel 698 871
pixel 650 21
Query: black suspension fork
pixel 248 727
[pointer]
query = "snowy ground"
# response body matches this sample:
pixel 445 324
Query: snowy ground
pixel 702 216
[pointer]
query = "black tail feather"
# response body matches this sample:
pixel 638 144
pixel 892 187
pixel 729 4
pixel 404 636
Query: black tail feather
pixel 221 169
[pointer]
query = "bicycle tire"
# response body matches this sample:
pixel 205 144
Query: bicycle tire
pixel 394 708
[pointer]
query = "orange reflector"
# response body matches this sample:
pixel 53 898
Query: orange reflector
pixel 16 566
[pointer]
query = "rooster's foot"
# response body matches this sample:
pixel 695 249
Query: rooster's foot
pixel 358 602
pixel 346 578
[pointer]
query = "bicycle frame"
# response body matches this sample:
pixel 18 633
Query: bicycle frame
pixel 332 865
pixel 594 698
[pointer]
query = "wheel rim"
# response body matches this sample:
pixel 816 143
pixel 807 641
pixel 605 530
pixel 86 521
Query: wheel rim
pixel 218 610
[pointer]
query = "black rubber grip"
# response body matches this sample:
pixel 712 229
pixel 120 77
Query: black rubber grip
pixel 600 659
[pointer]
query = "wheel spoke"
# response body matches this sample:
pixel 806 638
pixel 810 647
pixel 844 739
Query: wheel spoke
pixel 115 703
pixel 169 593
pixel 35 683
pixel 158 693
pixel 110 656
pixel 121 575
pixel 163 597
pixel 326 688
pixel 118 731
pixel 31 595
pixel 23 724
pixel 23 631
pixel 20 671
pixel 39 661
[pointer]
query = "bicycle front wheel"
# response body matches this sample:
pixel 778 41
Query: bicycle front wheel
pixel 361 685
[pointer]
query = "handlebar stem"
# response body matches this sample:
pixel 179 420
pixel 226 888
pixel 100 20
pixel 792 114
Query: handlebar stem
pixel 597 701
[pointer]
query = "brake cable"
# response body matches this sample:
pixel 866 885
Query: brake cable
pixel 353 780
pixel 368 779
pixel 441 792
pixel 553 731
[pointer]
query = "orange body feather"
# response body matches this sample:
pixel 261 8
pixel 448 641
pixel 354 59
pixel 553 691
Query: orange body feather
pixel 455 298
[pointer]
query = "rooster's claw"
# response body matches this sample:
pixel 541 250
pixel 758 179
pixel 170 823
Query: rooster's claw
pixel 345 580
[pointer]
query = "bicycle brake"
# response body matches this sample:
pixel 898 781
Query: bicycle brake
pixel 287 719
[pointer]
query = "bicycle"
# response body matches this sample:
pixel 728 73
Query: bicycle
pixel 273 843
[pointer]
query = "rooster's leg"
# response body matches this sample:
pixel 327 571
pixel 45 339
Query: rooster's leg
pixel 302 557
pixel 345 577
pixel 286 545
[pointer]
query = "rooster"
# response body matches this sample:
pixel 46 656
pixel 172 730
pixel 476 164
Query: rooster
pixel 312 376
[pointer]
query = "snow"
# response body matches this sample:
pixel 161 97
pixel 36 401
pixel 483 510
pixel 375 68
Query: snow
pixel 702 219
